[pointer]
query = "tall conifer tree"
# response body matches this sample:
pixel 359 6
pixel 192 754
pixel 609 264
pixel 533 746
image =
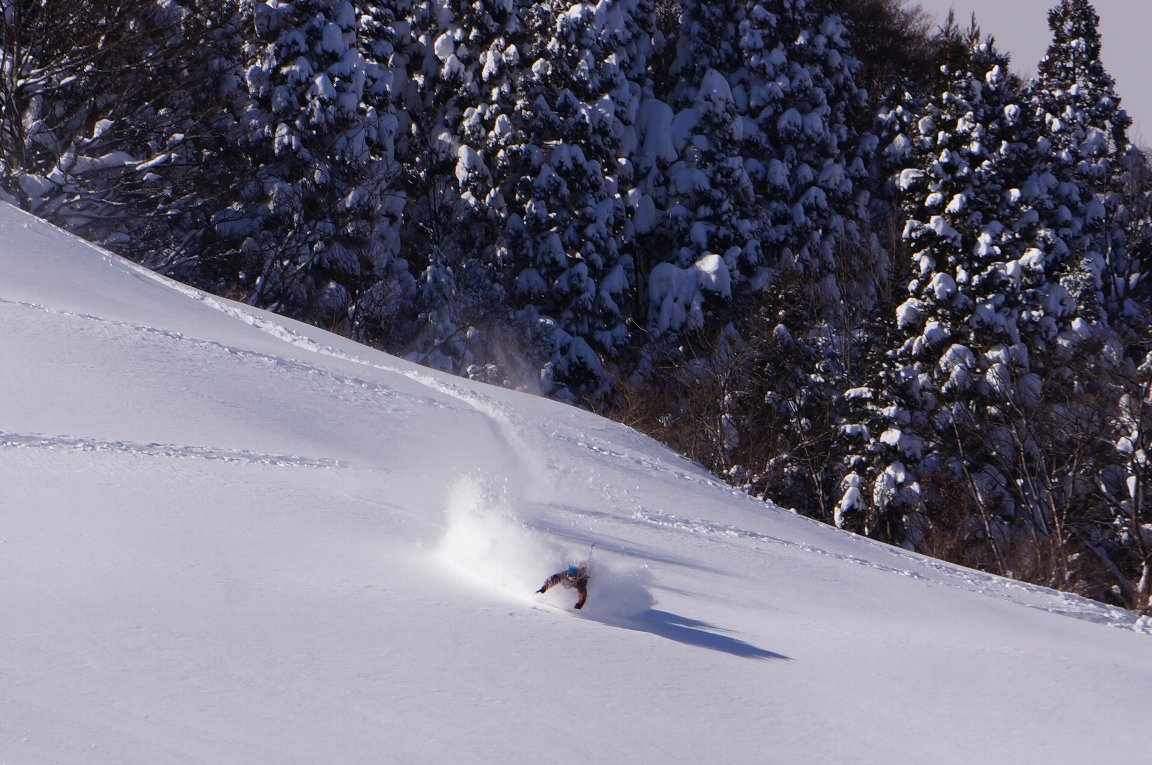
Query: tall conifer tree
pixel 316 147
pixel 1087 140
pixel 959 350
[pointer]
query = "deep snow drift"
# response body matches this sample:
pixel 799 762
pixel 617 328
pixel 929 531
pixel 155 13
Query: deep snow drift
pixel 229 538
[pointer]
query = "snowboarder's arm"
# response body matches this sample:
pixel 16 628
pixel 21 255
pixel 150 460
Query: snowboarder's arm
pixel 551 582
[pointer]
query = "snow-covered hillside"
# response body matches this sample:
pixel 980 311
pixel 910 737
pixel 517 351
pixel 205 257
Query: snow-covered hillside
pixel 226 537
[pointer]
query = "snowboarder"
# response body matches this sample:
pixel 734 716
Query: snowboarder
pixel 573 576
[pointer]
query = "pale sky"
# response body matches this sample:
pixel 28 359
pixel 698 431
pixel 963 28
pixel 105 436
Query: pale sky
pixel 1021 28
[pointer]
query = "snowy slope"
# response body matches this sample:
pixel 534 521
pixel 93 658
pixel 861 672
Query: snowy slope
pixel 226 537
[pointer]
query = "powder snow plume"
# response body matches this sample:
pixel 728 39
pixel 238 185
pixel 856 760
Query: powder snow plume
pixel 487 541
pixel 616 592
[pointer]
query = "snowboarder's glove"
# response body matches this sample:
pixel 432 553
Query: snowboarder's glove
pixel 541 590
pixel 578 606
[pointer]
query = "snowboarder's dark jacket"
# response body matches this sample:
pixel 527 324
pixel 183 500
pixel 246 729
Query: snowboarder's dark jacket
pixel 578 579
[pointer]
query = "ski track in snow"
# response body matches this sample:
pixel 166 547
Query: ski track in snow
pixel 237 456
pixel 1067 604
pixel 646 465
pixel 499 420
pixel 233 351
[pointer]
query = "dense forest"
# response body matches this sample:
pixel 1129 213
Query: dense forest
pixel 845 258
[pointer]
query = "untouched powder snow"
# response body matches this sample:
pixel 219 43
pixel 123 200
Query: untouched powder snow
pixel 226 537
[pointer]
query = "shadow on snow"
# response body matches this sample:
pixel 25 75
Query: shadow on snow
pixel 690 632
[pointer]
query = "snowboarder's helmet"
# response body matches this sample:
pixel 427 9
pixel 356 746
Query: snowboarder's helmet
pixel 573 570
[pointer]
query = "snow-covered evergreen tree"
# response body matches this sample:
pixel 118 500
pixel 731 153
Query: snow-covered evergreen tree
pixel 463 61
pixel 805 149
pixel 1086 133
pixel 382 309
pixel 960 353
pixel 707 41
pixel 567 231
pixel 698 180
pixel 534 105
pixel 321 154
pixel 822 269
pixel 1098 183
pixel 93 135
